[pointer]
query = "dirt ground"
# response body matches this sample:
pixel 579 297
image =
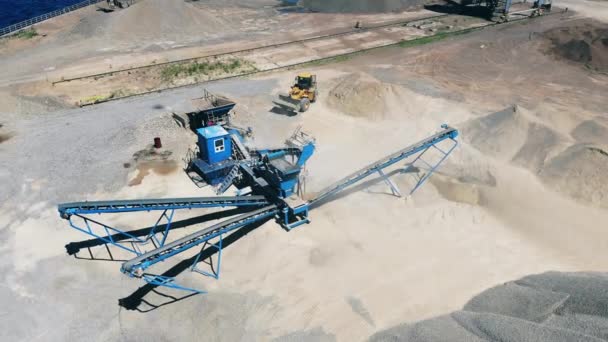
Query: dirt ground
pixel 523 194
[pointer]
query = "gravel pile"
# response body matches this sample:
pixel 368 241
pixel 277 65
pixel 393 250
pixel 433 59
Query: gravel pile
pixel 581 172
pixel 551 306
pixel 586 44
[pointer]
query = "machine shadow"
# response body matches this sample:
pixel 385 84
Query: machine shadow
pixel 135 300
pixel 73 248
pixel 452 7
pixel 104 10
pixel 282 110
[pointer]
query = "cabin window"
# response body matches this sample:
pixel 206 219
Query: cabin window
pixel 219 145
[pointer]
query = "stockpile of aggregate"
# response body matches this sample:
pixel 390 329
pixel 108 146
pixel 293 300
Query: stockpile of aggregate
pixel 582 43
pixel 552 306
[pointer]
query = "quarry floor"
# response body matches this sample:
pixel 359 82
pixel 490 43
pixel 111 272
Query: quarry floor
pixel 498 210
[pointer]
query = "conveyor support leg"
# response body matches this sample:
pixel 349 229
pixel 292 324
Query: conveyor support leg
pixel 431 168
pixel 390 183
pixel 215 273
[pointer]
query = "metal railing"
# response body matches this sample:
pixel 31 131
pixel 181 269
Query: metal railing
pixel 26 23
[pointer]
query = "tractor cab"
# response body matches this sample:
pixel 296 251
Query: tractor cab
pixel 304 90
pixel 302 93
pixel 305 81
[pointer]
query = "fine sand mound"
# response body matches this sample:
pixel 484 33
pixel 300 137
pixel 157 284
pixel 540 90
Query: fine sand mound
pixel 581 172
pixel 162 18
pixel 584 43
pixel 514 135
pixel 540 142
pixel 361 95
pixel 499 134
pixel 547 307
pixel 360 6
pixel 153 21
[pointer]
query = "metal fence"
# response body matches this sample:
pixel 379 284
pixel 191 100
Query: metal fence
pixel 26 23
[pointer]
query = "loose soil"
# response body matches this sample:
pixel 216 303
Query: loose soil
pixel 361 6
pixel 585 44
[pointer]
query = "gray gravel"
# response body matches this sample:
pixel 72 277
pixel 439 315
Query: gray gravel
pixel 78 151
pixel 551 306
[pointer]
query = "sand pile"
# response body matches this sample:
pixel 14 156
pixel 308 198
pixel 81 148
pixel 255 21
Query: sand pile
pixel 581 172
pixel 499 134
pixel 361 95
pixel 586 44
pixel 162 18
pixel 547 307
pixel 153 22
pixel 514 135
pixel 360 6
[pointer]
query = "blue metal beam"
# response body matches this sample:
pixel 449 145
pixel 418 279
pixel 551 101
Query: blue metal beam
pixel 421 146
pixel 102 207
pixel 136 266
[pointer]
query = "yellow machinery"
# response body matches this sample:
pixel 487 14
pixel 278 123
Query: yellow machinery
pixel 304 90
pixel 301 95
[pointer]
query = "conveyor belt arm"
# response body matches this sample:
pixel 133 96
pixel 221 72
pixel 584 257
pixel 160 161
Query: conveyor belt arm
pixel 136 267
pixel 378 166
pixel 102 207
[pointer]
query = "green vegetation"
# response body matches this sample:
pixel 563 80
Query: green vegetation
pixel 337 59
pixel 430 39
pixel 102 98
pixel 174 71
pixel 27 34
pixel 329 60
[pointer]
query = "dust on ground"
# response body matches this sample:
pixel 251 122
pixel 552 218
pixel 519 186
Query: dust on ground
pixel 457 191
pixel 151 160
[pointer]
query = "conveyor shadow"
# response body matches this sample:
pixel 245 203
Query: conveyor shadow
pixel 136 299
pixel 73 248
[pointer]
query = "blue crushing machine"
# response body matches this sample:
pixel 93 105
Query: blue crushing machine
pixel 270 181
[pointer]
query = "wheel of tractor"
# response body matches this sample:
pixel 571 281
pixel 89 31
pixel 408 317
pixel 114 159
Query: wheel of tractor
pixel 304 105
pixel 314 99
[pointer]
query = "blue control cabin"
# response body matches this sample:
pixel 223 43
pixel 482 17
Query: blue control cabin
pixel 215 150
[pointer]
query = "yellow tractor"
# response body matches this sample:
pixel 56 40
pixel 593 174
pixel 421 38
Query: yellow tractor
pixel 304 90
pixel 301 94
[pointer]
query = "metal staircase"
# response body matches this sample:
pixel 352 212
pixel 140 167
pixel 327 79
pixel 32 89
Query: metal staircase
pixel 227 181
